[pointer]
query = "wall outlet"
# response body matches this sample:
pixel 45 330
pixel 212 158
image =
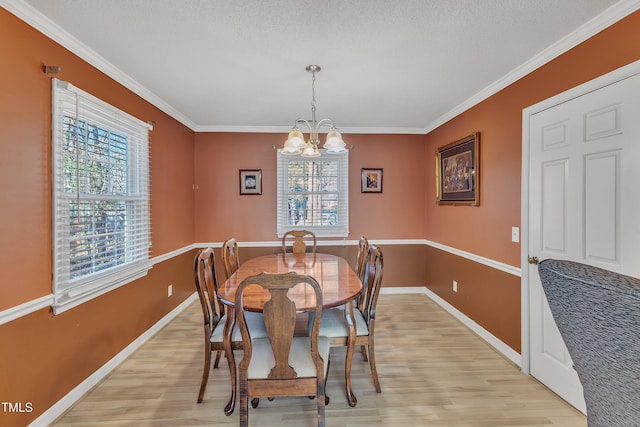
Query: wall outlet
pixel 169 290
pixel 455 286
pixel 515 234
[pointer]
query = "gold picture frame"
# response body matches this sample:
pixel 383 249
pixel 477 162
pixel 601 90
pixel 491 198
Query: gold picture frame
pixel 458 172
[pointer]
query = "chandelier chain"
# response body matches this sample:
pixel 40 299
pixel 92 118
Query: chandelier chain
pixel 313 92
pixel 295 144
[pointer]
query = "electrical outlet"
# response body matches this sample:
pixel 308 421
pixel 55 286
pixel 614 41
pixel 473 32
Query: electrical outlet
pixel 515 234
pixel 455 286
pixel 169 290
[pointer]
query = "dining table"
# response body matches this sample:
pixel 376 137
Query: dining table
pixel 339 282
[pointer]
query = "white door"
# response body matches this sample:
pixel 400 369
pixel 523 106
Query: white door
pixel 584 205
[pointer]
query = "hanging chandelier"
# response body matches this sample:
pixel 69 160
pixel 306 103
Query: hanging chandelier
pixel 295 143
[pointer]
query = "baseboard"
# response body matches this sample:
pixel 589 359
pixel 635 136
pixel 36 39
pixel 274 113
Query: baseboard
pixel 490 339
pixel 60 407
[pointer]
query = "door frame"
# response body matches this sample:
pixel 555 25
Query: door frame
pixel 582 89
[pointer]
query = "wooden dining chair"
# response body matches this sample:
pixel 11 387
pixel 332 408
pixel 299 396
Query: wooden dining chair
pixel 230 256
pixel 214 312
pixel 334 324
pixel 281 364
pixel 363 248
pixel 301 240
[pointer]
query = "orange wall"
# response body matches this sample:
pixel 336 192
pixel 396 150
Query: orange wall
pixel 486 230
pixel 43 357
pixel 221 212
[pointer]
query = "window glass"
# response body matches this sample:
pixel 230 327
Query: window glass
pixel 313 194
pixel 101 196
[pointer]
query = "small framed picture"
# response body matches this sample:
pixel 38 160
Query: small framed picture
pixel 251 181
pixel 371 180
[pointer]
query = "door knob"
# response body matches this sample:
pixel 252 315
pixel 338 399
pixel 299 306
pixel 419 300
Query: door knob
pixel 534 260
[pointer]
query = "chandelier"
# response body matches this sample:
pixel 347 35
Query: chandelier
pixel 295 143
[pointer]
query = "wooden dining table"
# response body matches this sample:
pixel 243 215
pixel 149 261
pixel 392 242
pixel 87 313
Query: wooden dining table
pixel 340 285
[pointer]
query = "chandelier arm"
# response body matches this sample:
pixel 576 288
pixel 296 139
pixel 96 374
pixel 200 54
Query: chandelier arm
pixel 302 121
pixel 325 121
pixel 295 141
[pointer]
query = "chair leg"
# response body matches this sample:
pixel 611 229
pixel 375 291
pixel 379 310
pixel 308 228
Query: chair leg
pixel 244 404
pixel 322 398
pixel 372 364
pixel 215 364
pixel 326 378
pixel 321 417
pixel 205 372
pixel 363 350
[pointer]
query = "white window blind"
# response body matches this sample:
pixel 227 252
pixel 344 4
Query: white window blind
pixel 101 222
pixel 313 194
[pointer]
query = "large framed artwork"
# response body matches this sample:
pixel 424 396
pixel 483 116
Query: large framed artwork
pixel 458 172
pixel 251 181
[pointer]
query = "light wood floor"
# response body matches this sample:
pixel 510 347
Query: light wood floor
pixel 433 370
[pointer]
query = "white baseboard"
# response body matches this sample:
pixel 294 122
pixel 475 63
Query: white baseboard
pixel 60 407
pixel 490 339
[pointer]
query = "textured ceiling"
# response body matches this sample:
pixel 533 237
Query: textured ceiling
pixel 400 66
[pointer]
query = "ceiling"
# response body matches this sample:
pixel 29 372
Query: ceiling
pixel 401 66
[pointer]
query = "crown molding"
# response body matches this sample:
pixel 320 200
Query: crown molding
pixel 43 24
pixel 582 33
pixel 40 22
pixel 287 129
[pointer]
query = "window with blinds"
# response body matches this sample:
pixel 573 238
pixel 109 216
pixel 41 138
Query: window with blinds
pixel 313 194
pixel 101 226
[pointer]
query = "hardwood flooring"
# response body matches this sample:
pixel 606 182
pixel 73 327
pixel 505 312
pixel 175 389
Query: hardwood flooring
pixel 433 371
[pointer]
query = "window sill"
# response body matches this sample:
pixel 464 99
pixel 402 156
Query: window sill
pixel 67 299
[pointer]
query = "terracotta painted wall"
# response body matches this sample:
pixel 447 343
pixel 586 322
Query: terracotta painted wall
pixel 43 357
pixel 397 213
pixel 486 230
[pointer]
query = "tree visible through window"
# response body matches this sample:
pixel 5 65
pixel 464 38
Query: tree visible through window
pixel 101 196
pixel 313 194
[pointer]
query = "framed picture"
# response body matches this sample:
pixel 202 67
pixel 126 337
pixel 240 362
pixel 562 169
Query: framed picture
pixel 458 172
pixel 371 180
pixel 250 181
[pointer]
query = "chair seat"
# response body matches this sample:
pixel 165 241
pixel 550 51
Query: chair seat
pixel 300 360
pixel 333 323
pixel 255 323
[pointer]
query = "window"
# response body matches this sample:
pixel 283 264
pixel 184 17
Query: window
pixel 101 231
pixel 313 193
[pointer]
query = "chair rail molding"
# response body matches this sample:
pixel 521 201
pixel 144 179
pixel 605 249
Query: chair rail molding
pixel 29 307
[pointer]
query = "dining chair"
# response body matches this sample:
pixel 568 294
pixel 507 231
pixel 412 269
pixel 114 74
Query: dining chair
pixel 281 364
pixel 361 257
pixel 215 316
pixel 230 256
pixel 301 240
pixel 334 324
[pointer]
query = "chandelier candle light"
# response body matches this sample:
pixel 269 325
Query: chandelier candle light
pixel 295 143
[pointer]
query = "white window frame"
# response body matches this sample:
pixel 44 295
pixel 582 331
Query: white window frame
pixel 127 255
pixel 341 228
